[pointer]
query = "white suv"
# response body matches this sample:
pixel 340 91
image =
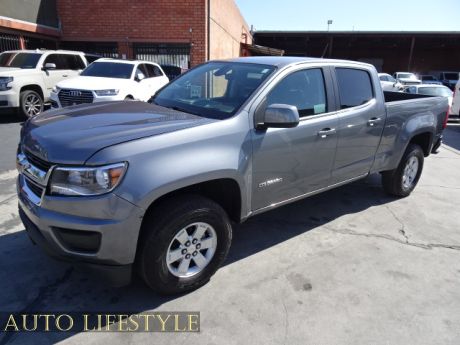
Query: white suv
pixel 110 80
pixel 28 76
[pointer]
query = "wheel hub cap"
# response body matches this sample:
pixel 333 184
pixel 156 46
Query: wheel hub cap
pixel 410 172
pixel 191 249
pixel 32 105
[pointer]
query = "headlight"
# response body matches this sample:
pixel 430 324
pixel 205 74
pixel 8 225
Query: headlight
pixel 86 181
pixel 111 92
pixel 56 89
pixel 4 81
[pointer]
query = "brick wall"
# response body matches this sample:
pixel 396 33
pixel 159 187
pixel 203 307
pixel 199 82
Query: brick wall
pixel 128 22
pixel 228 29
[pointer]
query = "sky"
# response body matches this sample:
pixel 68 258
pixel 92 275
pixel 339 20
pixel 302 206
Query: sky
pixel 348 15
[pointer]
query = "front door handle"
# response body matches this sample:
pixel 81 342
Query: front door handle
pixel 65 75
pixel 374 121
pixel 325 132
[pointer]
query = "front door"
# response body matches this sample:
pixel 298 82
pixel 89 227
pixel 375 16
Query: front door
pixel 291 162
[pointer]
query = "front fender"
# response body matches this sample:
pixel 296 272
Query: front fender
pixel 165 163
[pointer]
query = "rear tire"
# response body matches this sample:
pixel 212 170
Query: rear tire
pixel 402 180
pixel 166 256
pixel 31 103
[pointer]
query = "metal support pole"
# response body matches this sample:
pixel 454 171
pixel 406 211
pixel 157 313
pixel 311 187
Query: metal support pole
pixel 411 54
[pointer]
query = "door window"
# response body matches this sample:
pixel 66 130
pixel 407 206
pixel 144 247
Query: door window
pixel 153 71
pixel 304 89
pixel 72 62
pixel 141 70
pixel 53 58
pixel 355 87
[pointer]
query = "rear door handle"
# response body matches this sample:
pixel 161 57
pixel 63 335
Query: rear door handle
pixel 374 121
pixel 65 75
pixel 325 132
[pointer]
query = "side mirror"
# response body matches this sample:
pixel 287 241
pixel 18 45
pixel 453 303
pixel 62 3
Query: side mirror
pixel 140 76
pixel 49 66
pixel 281 116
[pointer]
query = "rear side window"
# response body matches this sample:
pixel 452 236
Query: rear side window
pixel 304 89
pixel 355 87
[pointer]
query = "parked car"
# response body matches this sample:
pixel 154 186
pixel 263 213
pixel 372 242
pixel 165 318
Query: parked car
pixel 431 90
pixel 447 78
pixel 28 76
pixel 429 79
pixel 389 83
pixel 407 78
pixel 155 187
pixel 172 72
pixel 110 80
pixel 455 108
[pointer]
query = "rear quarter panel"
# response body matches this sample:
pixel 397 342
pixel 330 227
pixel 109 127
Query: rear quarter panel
pixel 406 119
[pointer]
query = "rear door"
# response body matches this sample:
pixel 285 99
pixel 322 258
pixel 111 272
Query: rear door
pixel 291 162
pixel 360 122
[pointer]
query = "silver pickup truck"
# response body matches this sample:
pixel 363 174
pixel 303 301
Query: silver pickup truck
pixel 156 187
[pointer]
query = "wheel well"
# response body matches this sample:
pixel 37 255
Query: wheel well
pixel 129 96
pixel 424 141
pixel 225 192
pixel 35 88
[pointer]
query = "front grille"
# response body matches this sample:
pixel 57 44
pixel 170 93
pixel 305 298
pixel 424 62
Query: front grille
pixel 35 188
pixel 69 97
pixel 38 162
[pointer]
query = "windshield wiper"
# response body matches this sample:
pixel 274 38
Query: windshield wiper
pixel 182 110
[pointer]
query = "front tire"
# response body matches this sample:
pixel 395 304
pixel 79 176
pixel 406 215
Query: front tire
pixel 402 180
pixel 31 103
pixel 184 241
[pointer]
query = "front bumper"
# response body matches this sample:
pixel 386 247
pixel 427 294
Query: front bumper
pixel 9 99
pixel 116 222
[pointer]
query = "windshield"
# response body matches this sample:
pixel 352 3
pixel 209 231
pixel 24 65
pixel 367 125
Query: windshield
pixel 435 91
pixel 451 76
pixel 428 77
pixel 216 89
pixel 108 70
pixel 407 76
pixel 19 60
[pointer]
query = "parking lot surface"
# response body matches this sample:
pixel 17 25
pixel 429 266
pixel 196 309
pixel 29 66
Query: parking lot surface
pixel 349 266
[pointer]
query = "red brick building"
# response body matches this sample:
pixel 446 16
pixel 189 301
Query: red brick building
pixel 179 32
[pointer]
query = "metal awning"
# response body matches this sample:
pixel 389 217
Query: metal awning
pixel 257 50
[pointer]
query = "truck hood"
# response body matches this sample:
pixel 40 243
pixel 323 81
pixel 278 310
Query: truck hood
pixel 93 83
pixel 72 135
pixel 12 71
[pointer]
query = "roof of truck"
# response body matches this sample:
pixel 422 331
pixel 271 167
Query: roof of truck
pixel 282 61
